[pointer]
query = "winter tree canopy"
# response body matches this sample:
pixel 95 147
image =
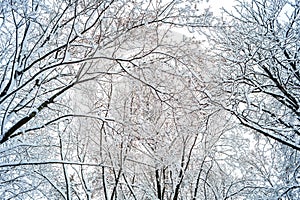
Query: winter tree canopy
pixel 105 100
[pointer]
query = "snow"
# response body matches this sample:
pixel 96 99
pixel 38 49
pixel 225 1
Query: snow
pixel 67 56
pixel 34 110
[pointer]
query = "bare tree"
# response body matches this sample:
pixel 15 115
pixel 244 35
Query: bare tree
pixel 258 52
pixel 47 49
pixel 164 140
pixel 102 100
pixel 260 49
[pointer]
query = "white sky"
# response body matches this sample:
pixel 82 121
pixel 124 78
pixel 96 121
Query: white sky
pixel 215 5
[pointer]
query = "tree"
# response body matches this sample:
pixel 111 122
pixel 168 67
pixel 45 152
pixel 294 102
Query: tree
pixel 260 49
pixel 160 136
pixel 262 167
pixel 258 52
pixel 48 48
pixel 102 100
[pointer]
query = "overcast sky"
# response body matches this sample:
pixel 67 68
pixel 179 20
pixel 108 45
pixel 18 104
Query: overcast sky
pixel 217 4
pixel 215 7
